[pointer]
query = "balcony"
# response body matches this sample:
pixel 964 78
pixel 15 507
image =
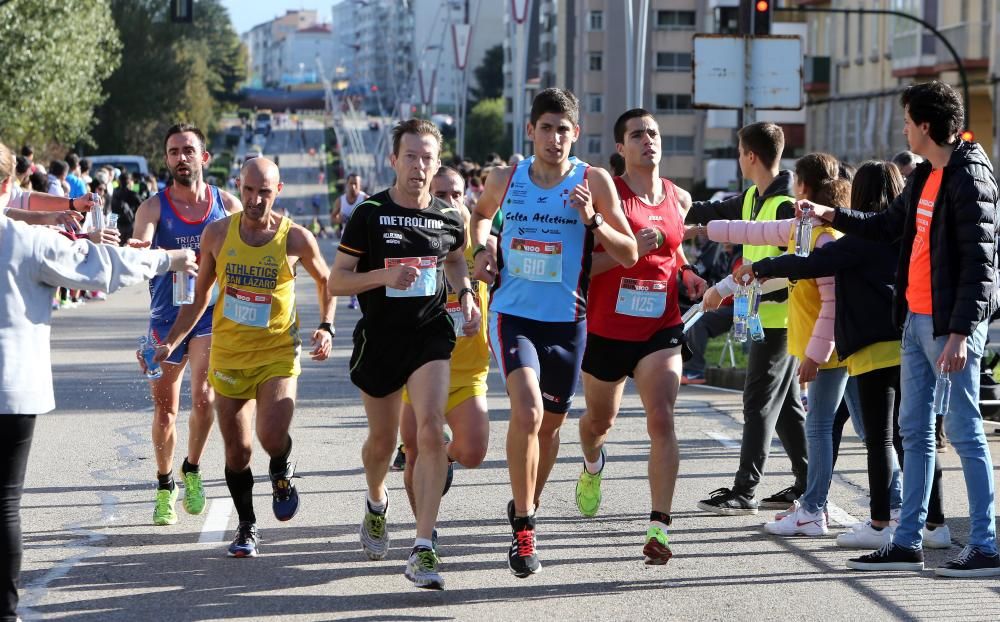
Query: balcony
pixel 816 74
pixel 971 41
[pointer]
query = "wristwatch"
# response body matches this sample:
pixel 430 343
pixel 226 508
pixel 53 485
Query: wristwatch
pixel 328 327
pixel 688 266
pixel 464 291
pixel 595 221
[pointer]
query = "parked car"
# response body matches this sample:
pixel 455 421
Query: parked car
pixel 133 163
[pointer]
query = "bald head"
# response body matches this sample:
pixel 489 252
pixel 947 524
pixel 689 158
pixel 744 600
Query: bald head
pixel 260 168
pixel 260 184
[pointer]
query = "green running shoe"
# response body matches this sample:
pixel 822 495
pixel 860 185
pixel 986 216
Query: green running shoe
pixel 657 549
pixel 194 493
pixel 163 512
pixel 588 491
pixel 374 533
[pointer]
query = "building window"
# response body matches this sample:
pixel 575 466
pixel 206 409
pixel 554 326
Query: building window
pixel 678 145
pixel 595 61
pixel 675 20
pixel 673 103
pixel 595 103
pixel 673 61
pixel 595 21
pixel 594 143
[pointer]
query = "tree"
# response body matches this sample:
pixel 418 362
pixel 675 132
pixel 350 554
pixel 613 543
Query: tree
pixel 486 131
pixel 489 75
pixel 55 56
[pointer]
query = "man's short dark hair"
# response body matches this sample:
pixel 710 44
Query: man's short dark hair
pixel 628 115
pixel 27 151
pixel 904 159
pixel 22 165
pixel 84 165
pixel 58 168
pixel 180 128
pixel 765 140
pixel 557 101
pixel 125 177
pixel 73 161
pixel 420 127
pixel 445 170
pixel 938 105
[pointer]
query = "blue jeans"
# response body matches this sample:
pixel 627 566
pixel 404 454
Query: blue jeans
pixel 963 423
pixel 825 393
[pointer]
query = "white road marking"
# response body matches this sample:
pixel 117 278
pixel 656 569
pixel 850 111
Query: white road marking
pixel 214 529
pixel 724 440
pixel 723 389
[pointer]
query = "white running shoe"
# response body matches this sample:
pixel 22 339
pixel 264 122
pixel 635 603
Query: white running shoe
pixel 939 538
pixel 864 536
pixel 799 523
pixel 793 508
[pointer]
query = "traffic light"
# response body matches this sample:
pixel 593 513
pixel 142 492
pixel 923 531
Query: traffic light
pixel 762 11
pixel 968 136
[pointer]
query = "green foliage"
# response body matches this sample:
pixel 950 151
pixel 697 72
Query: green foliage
pixel 55 56
pixel 489 75
pixel 485 130
pixel 713 353
pixel 169 73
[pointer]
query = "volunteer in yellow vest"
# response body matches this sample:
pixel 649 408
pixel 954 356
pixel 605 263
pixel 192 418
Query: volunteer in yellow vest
pixel 771 399
pixel 811 316
pixel 465 411
pixel 251 257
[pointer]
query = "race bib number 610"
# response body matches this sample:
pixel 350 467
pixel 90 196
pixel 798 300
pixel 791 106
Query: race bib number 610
pixel 535 261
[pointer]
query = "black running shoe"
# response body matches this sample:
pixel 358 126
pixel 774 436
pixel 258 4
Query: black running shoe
pixel 523 558
pixel 781 499
pixel 728 503
pixel 971 562
pixel 511 513
pixel 285 498
pixel 399 462
pixel 889 557
pixel 449 477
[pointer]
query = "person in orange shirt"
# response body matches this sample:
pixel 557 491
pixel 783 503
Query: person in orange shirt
pixel 946 292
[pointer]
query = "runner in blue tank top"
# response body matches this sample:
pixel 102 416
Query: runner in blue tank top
pixel 175 218
pixel 555 209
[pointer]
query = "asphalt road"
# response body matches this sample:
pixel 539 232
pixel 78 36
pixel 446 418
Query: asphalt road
pixel 92 553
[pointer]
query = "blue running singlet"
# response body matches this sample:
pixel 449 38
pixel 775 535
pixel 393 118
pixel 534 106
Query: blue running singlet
pixel 173 232
pixel 544 263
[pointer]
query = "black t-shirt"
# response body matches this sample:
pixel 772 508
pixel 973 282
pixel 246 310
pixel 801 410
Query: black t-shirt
pixel 381 233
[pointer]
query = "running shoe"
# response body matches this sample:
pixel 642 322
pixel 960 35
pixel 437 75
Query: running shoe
pixel 353 304
pixel 728 503
pixel 451 465
pixel 375 532
pixel 889 557
pixel 781 499
pixel 194 493
pixel 794 507
pixel 434 542
pixel 657 550
pixel 865 536
pixel 511 513
pixel 693 377
pixel 284 496
pixel 798 523
pixel 522 558
pixel 937 538
pixel 246 541
pixel 971 562
pixel 422 569
pixel 164 512
pixel 399 462
pixel 588 489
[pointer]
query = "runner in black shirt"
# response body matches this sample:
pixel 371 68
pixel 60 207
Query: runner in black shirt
pixel 392 255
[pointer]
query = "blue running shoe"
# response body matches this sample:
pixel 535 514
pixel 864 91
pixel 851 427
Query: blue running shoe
pixel 245 543
pixel 285 498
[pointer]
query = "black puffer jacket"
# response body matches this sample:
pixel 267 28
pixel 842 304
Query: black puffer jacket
pixel 963 240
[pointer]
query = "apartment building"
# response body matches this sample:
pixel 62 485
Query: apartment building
pixel 266 48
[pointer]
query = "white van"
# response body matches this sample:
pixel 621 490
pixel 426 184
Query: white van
pixel 132 163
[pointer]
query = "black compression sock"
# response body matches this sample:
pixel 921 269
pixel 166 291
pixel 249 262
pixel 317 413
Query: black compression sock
pixel 187 467
pixel 165 482
pixel 241 490
pixel 280 462
pixel 659 517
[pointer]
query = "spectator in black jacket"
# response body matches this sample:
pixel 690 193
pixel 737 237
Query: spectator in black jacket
pixel 945 293
pixel 124 202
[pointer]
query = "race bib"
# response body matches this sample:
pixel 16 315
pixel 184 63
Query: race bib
pixel 426 283
pixel 454 309
pixel 247 308
pixel 642 298
pixel 535 261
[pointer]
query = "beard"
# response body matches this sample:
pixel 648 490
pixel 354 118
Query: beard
pixel 188 179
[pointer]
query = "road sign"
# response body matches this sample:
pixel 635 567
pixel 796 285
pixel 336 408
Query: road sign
pixel 720 69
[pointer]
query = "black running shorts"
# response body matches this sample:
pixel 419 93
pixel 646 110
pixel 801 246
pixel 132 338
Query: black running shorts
pixel 383 360
pixel 610 360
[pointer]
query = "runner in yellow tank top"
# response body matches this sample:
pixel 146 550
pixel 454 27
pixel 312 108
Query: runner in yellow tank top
pixel 255 351
pixel 465 411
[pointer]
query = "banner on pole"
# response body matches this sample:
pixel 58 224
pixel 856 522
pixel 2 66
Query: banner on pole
pixel 461 39
pixel 519 10
pixel 426 94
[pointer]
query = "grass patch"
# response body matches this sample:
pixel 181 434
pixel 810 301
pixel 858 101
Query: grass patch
pixel 714 350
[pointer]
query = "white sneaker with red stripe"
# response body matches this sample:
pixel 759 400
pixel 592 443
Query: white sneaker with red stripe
pixel 798 523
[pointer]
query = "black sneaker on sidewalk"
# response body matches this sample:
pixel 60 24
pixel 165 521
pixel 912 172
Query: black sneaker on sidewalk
pixel 971 562
pixel 522 557
pixel 781 499
pixel 728 503
pixel 889 557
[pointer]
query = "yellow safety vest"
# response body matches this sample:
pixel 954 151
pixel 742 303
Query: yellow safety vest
pixel 772 314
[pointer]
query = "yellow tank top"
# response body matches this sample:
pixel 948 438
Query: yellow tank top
pixel 804 304
pixel 255 322
pixel 470 360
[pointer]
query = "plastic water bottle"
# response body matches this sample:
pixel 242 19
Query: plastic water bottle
pixel 942 393
pixel 803 234
pixel 741 310
pixel 691 316
pixel 97 221
pixel 183 289
pixel 754 326
pixel 148 349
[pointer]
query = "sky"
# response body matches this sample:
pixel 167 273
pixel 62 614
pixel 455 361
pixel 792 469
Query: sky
pixel 248 13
